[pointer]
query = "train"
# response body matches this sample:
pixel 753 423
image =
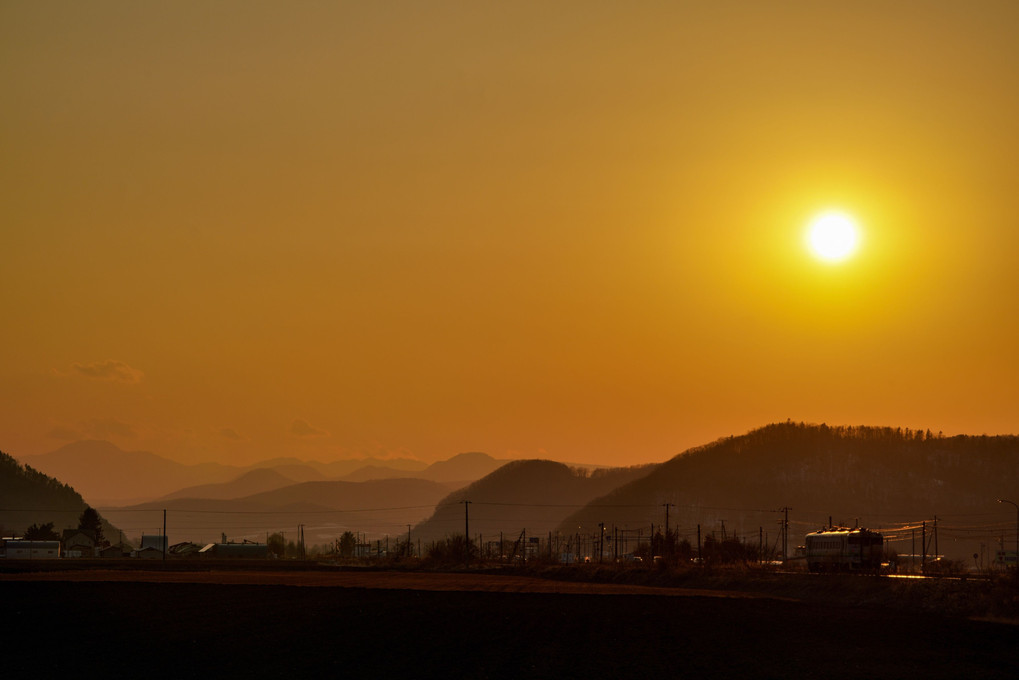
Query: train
pixel 843 549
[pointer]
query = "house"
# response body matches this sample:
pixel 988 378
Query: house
pixel 32 550
pixel 148 553
pixel 158 542
pixel 116 550
pixel 77 543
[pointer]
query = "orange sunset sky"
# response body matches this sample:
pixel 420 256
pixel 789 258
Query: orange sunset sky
pixel 238 230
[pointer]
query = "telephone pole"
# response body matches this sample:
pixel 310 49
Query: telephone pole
pixel 467 529
pixel 1016 506
pixel 785 534
pixel 923 546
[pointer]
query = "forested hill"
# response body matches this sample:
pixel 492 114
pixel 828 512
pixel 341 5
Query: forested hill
pixel 27 497
pixel 879 476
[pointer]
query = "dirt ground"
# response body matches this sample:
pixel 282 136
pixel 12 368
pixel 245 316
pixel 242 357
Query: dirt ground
pixel 256 624
pixel 387 580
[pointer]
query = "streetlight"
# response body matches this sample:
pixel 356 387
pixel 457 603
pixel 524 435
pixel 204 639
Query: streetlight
pixel 1016 506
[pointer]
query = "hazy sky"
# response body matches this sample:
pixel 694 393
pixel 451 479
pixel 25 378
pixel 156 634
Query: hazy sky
pixel 236 230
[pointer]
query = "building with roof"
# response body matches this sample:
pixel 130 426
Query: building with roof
pixel 157 541
pixel 77 543
pixel 20 549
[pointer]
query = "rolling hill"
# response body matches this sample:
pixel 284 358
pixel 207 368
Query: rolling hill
pixel 526 494
pixel 464 467
pixel 249 483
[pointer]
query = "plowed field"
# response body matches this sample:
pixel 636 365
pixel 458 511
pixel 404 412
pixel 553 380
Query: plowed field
pixel 250 624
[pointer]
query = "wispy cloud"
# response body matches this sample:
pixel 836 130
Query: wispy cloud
pixel 96 428
pixel 108 428
pixel 65 432
pixel 111 369
pixel 230 433
pixel 301 428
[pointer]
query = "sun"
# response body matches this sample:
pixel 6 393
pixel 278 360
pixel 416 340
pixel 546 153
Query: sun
pixel 833 236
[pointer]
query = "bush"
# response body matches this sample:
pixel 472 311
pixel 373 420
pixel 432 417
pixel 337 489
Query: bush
pixel 452 550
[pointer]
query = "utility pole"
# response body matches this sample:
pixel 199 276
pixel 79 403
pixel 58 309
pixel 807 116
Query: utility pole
pixel 467 530
pixel 467 520
pixel 164 534
pixel 785 534
pixel 666 505
pixel 700 561
pixel 409 547
pixel 923 546
pixel 1016 506
pixel 601 541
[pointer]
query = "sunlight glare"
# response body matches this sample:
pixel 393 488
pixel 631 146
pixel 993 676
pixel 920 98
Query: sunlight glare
pixel 833 236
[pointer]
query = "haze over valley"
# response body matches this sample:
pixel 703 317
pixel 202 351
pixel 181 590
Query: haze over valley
pixel 889 479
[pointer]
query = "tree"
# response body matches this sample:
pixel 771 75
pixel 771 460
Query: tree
pixel 91 524
pixel 277 545
pixel 345 544
pixel 44 532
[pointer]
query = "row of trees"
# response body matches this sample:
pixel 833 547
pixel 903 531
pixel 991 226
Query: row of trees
pixel 89 522
pixel 667 549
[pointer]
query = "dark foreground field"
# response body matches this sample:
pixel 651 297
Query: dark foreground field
pixel 183 630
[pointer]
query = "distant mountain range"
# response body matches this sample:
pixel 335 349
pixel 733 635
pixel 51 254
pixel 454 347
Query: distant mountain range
pixel 142 476
pixel 249 483
pixel 462 468
pixel 889 479
pixel 324 508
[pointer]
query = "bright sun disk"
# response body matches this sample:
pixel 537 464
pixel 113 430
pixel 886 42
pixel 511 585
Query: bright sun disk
pixel 832 236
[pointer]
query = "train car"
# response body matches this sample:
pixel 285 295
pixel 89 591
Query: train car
pixel 843 549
